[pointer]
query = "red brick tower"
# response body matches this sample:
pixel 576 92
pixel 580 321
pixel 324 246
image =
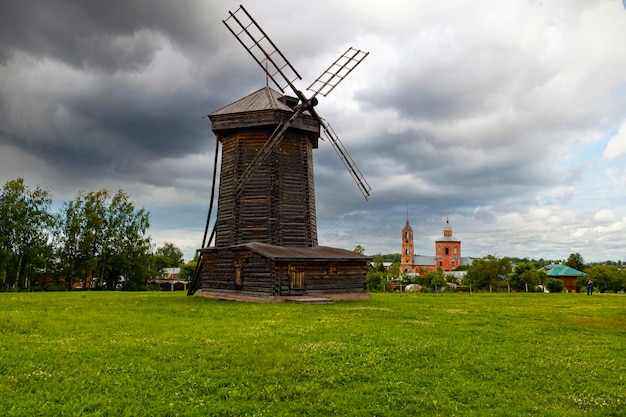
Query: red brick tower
pixel 408 249
pixel 447 250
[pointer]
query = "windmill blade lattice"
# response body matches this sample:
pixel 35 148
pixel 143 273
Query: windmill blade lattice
pixel 337 71
pixel 347 160
pixel 262 49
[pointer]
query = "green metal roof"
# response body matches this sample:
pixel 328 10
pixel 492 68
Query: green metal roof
pixel 560 270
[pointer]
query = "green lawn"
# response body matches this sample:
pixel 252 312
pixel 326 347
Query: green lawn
pixel 165 354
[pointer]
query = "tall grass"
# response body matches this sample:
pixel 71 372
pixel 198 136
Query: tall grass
pixel 164 354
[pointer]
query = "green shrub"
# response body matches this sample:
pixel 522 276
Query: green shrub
pixel 55 287
pixel 555 285
pixel 376 280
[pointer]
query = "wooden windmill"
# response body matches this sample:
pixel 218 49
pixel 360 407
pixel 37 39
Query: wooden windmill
pixel 266 207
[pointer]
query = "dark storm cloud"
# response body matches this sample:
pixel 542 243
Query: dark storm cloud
pixel 93 85
pixel 109 35
pixel 441 170
pixel 423 100
pixel 151 124
pixel 116 129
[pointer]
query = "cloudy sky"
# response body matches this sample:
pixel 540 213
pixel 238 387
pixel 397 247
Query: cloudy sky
pixel 507 117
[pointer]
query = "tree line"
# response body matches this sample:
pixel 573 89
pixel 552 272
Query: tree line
pixel 502 274
pixel 98 240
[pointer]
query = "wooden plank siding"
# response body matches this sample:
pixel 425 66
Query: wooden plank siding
pixel 256 272
pixel 347 277
pixel 241 270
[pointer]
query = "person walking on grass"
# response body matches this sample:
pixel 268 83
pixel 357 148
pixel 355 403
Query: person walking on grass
pixel 589 287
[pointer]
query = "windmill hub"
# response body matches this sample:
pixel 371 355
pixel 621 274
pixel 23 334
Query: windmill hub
pixel 309 104
pixel 305 103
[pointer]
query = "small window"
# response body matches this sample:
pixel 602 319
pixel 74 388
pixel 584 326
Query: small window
pixel 447 251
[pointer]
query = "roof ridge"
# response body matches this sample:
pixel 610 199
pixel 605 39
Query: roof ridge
pixel 264 98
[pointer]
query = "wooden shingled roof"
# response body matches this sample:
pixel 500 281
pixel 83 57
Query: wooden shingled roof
pixel 263 108
pixel 263 99
pixel 281 253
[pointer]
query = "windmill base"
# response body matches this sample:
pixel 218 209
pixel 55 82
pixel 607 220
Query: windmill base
pixel 261 272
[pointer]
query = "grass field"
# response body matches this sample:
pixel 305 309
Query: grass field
pixel 165 354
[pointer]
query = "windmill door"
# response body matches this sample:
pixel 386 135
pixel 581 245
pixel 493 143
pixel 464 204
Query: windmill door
pixel 296 279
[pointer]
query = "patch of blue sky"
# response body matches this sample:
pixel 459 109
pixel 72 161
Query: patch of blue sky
pixel 586 171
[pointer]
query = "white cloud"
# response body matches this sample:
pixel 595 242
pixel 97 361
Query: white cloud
pixel 604 216
pixel 616 147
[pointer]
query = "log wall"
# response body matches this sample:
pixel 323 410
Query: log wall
pixel 261 276
pixel 277 206
pixel 326 277
pixel 219 271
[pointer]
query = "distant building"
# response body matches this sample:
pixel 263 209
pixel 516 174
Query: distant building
pixel 386 265
pixel 169 280
pixel 566 274
pixel 447 252
pixel 170 273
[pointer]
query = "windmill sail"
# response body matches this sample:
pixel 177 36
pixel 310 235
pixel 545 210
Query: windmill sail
pixel 347 160
pixel 262 49
pixel 337 71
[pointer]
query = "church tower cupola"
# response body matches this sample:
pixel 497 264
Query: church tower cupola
pixel 447 230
